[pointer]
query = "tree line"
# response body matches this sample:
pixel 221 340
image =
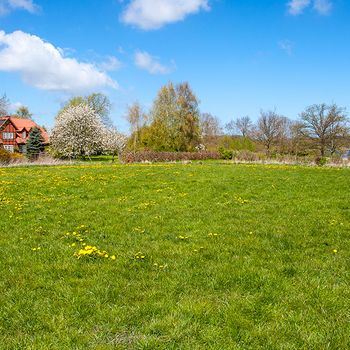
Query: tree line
pixel 175 123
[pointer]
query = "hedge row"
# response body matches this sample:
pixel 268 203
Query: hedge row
pixel 151 156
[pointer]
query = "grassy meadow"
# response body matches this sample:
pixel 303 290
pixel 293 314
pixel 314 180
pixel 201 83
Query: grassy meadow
pixel 198 256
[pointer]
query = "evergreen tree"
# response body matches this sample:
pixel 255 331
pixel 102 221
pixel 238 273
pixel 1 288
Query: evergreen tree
pixel 35 144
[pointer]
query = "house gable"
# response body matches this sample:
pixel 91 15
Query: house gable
pixel 14 132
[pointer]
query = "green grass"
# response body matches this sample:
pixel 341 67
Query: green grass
pixel 236 257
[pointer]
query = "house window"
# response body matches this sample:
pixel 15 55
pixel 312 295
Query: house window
pixel 8 135
pixel 9 148
pixel 24 135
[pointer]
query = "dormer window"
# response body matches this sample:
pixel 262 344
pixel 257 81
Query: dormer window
pixel 24 135
pixel 8 135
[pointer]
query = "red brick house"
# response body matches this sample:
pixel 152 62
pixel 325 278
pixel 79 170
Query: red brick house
pixel 14 133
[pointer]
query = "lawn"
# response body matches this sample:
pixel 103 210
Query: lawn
pixel 207 256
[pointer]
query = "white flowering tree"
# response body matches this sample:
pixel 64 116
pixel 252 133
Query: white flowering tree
pixel 78 131
pixel 113 141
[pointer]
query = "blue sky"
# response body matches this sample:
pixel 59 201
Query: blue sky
pixel 239 56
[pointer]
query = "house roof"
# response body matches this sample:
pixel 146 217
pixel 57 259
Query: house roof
pixel 20 140
pixel 21 124
pixel 24 124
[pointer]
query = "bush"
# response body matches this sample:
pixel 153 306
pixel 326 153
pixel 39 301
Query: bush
pixel 321 161
pixel 5 157
pixel 8 157
pixel 153 156
pixel 225 153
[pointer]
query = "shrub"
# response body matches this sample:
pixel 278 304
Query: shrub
pixel 5 157
pixel 153 156
pixel 225 153
pixel 321 161
pixel 8 157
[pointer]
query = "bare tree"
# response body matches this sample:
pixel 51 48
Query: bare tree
pixel 297 137
pixel 230 127
pixel 210 125
pixel 244 125
pixel 4 105
pixel 270 129
pixel 326 125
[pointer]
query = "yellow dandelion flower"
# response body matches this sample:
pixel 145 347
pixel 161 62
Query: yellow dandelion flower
pixel 113 257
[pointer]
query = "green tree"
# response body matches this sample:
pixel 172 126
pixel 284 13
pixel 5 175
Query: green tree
pixel 135 117
pixel 174 120
pixel 35 144
pixel 23 113
pixel 100 103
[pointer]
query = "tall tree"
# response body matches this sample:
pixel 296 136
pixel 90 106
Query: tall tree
pixel 135 117
pixel 297 138
pixel 77 132
pixel 174 119
pixel 23 113
pixel 113 142
pixel 326 125
pixel 270 129
pixel 100 103
pixel 242 125
pixel 4 105
pixel 210 127
pixel 188 118
pixel 35 144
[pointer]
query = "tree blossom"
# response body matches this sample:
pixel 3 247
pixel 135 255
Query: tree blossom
pixel 78 132
pixel 113 142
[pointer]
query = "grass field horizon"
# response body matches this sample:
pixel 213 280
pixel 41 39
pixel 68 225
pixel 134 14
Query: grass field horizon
pixel 195 256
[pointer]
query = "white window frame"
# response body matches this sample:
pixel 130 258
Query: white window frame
pixel 9 148
pixel 8 135
pixel 24 134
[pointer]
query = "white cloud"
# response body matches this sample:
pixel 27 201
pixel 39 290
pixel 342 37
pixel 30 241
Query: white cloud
pixel 14 106
pixel 111 64
pixel 7 6
pixel 154 14
pixel 45 67
pixel 297 7
pixel 323 7
pixel 287 46
pixel 151 64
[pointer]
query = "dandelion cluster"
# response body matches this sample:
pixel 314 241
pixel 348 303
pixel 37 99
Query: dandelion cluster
pixel 241 200
pixel 139 230
pixel 183 238
pixel 212 234
pixel 139 256
pixel 93 252
pixel 86 250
